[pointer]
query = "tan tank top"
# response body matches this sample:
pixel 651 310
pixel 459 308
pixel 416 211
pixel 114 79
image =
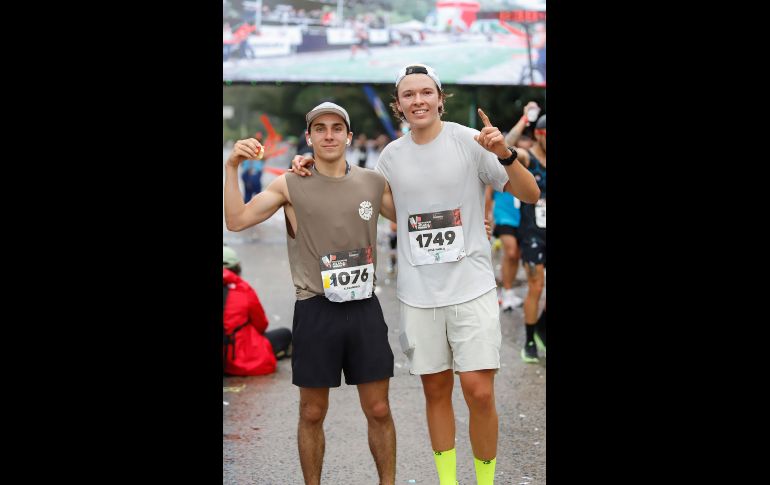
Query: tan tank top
pixel 333 215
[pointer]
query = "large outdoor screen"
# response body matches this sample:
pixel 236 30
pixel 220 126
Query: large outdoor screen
pixel 493 42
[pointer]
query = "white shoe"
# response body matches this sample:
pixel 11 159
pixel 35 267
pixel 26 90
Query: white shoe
pixel 510 300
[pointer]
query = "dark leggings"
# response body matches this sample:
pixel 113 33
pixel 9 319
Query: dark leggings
pixel 280 339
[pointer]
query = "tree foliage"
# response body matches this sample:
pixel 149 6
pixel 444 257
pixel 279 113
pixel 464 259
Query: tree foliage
pixel 286 106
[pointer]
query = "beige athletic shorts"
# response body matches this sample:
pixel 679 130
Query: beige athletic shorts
pixel 462 337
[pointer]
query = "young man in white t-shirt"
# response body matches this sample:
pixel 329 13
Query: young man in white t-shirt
pixel 446 286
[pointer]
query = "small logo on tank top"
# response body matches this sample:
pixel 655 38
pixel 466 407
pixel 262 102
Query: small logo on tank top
pixel 365 210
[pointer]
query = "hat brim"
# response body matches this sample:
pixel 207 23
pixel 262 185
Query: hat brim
pixel 325 111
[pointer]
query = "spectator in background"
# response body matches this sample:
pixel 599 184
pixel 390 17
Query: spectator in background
pixel 538 43
pixel 303 149
pixel 248 349
pixel 361 29
pixel 516 137
pixel 251 175
pixel 532 232
pixel 328 17
pixel 504 209
pixel 227 41
pixel 356 154
pixel 241 35
pixel 293 143
pixel 375 148
pixel 524 141
pixel 393 243
pixel 252 178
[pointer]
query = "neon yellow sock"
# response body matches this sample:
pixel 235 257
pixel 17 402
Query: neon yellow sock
pixel 485 471
pixel 446 466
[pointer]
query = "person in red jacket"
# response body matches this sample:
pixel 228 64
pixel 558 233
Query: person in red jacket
pixel 248 349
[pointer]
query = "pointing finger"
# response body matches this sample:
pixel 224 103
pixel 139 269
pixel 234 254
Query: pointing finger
pixel 484 118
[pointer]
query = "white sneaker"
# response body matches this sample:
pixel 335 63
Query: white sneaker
pixel 510 300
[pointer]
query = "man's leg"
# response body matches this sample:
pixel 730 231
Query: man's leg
pixel 438 407
pixel 473 330
pixel 479 392
pixel 515 259
pixel 424 341
pixel 535 283
pixel 540 331
pixel 381 431
pixel 441 423
pixel 510 265
pixel 313 404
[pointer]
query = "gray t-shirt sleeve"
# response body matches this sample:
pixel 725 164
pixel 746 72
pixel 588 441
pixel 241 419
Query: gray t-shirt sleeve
pixel 383 164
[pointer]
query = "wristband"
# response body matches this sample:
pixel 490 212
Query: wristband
pixel 509 160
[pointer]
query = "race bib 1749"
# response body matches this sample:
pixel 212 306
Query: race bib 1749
pixel 348 275
pixel 436 237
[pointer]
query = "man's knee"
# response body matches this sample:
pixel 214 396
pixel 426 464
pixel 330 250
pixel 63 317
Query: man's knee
pixel 535 285
pixel 438 388
pixel 480 396
pixel 312 413
pixel 511 251
pixel 378 410
pixel 535 278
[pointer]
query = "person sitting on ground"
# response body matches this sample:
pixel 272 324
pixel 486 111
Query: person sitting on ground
pixel 249 349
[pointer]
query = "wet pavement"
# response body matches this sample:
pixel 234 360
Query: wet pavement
pixel 260 413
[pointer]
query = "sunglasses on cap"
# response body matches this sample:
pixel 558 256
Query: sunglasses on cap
pixel 416 70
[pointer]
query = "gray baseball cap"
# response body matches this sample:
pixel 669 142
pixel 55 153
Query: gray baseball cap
pixel 325 108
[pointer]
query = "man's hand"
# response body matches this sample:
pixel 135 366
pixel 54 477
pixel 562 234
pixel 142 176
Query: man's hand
pixel 489 228
pixel 529 105
pixel 248 149
pixel 491 139
pixel 298 164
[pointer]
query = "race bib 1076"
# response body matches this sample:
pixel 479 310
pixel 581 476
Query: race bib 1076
pixel 348 275
pixel 436 237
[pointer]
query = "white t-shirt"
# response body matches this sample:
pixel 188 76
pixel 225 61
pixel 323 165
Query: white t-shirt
pixel 429 183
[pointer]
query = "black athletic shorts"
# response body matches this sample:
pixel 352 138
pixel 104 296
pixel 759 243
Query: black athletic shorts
pixel 501 229
pixel 331 337
pixel 532 244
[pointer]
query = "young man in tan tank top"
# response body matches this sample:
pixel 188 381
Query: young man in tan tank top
pixel 332 244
